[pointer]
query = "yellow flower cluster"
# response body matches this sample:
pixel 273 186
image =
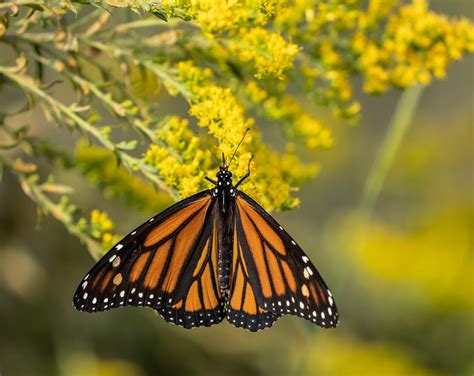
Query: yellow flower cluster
pixel 215 108
pixel 101 228
pixel 218 16
pixel 298 123
pixel 389 43
pixel 424 43
pixel 417 45
pixel 269 53
pixel 180 160
pixel 249 48
pixel 218 111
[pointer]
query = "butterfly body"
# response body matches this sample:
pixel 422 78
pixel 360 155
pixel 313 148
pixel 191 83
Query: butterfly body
pixel 215 255
pixel 224 192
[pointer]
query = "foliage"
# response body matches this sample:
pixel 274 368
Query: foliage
pixel 230 65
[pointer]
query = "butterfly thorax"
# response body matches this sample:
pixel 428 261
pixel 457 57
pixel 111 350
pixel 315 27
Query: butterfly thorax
pixel 224 192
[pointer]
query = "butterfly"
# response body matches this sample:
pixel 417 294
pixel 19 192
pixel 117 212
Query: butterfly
pixel 217 254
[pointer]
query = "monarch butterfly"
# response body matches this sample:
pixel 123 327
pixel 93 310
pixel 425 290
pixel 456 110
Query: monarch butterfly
pixel 213 255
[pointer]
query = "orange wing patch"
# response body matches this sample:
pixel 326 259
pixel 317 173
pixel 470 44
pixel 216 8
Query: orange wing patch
pixel 171 224
pixel 265 229
pixel 244 310
pixel 157 265
pixel 255 244
pixel 138 266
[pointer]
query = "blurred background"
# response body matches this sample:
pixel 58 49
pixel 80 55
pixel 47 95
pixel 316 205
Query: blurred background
pixel 402 276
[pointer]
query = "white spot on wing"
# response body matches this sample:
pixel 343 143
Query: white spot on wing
pixel 116 262
pixel 305 259
pixel 122 293
pixel 293 242
pixel 94 300
pixel 84 296
pixel 84 284
pixel 305 273
pixel 331 302
pixel 133 233
pixel 112 258
pixel 301 305
pixel 119 247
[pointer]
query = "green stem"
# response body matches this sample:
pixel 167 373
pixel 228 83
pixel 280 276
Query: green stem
pixel 8 4
pixel 130 162
pixel 399 125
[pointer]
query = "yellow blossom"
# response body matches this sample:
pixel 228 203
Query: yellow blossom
pixel 100 224
pixel 269 52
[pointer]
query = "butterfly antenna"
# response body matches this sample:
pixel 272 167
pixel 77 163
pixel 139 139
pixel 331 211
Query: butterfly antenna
pixel 237 148
pixel 208 148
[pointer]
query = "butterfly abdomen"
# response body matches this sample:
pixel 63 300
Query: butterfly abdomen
pixel 225 238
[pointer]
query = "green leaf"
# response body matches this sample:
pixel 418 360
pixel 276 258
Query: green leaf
pixel 35 7
pixel 160 14
pixel 127 145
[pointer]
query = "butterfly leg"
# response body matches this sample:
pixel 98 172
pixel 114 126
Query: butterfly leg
pixel 211 180
pixel 246 175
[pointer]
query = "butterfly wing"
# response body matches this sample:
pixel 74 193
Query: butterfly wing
pixel 243 309
pixel 168 264
pixel 282 278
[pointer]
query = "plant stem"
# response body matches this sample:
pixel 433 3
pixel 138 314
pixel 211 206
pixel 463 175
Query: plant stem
pixel 399 125
pixel 130 162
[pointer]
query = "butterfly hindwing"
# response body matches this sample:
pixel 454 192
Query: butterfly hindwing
pixel 160 265
pixel 243 310
pixel 283 279
pixel 201 302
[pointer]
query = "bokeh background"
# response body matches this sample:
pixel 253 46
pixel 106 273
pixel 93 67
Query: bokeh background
pixel 402 276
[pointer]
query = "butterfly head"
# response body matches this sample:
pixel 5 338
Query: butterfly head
pixel 224 182
pixel 224 177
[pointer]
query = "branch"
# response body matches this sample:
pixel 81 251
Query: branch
pixel 129 162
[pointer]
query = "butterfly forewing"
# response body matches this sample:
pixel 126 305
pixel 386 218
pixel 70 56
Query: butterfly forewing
pixel 283 279
pixel 160 265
